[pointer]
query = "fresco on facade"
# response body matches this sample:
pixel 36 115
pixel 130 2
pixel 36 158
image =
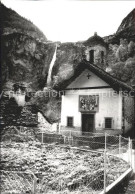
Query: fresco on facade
pixel 88 103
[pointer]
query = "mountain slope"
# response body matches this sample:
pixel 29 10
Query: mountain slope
pixel 26 61
pixel 12 22
pixel 126 30
pixel 128 23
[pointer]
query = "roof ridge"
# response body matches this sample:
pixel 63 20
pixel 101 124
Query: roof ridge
pixel 107 73
pixel 117 81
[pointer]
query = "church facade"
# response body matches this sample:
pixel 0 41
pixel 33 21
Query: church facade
pixel 96 102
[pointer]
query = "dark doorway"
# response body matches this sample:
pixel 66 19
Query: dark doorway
pixel 91 56
pixel 87 123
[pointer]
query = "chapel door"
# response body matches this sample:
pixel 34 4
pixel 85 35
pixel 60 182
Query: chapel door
pixel 87 123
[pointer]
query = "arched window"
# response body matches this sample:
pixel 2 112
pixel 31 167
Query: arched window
pixel 102 56
pixel 91 54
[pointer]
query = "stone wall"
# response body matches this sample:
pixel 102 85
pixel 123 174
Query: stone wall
pixel 68 131
pixel 98 59
pixel 44 125
pixel 12 114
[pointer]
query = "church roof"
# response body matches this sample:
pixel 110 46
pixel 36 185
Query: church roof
pixel 112 81
pixel 95 40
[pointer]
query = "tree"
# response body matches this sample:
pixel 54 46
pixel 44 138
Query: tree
pixel 122 51
pixel 131 49
pixel 124 71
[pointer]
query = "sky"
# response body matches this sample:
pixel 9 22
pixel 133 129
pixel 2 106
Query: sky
pixel 71 21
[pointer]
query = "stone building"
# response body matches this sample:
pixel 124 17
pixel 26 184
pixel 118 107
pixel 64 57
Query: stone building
pixel 96 51
pixel 96 102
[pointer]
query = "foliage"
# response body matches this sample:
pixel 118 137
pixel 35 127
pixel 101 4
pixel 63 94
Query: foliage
pixel 122 51
pixel 125 50
pixel 124 71
pixel 122 61
pixel 131 48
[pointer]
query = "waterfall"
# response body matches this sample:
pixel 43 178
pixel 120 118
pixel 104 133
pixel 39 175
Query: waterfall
pixel 50 68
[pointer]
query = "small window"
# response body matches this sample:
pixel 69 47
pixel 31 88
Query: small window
pixel 70 121
pixel 102 56
pixel 91 56
pixel 108 123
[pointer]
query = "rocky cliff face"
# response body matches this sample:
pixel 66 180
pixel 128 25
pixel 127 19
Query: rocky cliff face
pixel 26 59
pixel 127 27
pixel 68 56
pixel 121 53
pixel 125 30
